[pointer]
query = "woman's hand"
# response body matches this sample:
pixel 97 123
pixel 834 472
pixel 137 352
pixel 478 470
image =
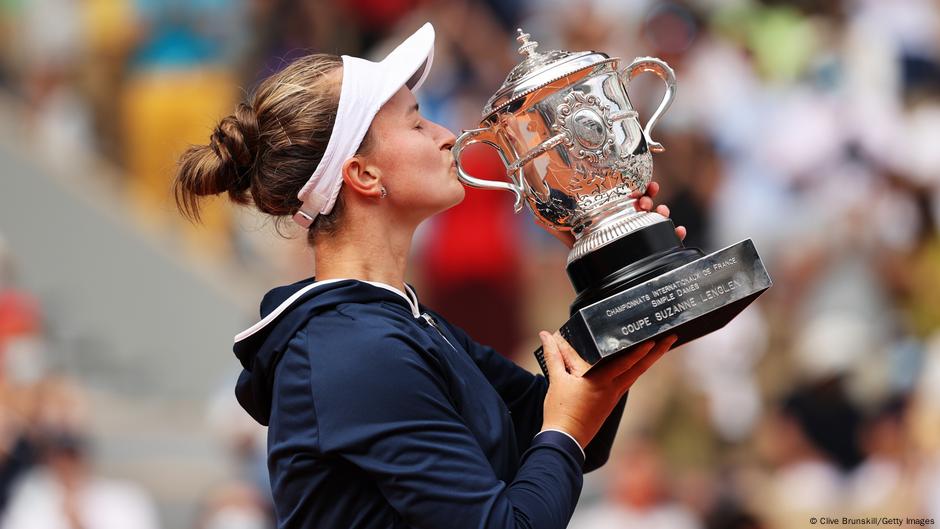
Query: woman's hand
pixel 578 402
pixel 644 203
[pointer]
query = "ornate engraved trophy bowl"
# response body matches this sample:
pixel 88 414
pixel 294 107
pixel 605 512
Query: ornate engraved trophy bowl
pixel 576 153
pixel 572 143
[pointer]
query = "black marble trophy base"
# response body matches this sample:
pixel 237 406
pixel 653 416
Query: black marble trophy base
pixel 648 285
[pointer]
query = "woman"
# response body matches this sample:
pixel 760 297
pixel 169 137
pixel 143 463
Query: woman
pixel 379 412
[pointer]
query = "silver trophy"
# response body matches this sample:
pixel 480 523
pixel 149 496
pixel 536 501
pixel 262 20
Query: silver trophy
pixel 572 143
pixel 576 153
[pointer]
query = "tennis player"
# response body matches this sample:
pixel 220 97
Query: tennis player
pixel 380 413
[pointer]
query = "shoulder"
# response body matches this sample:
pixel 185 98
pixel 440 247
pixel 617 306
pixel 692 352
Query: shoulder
pixel 372 371
pixel 277 296
pixel 359 328
pixel 353 343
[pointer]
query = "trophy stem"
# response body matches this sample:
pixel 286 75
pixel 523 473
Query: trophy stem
pixel 628 260
pixel 608 226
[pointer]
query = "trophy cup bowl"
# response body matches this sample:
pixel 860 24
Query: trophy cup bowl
pixel 576 154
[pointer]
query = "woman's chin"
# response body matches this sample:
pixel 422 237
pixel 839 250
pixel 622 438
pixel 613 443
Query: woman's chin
pixel 453 199
pixel 459 195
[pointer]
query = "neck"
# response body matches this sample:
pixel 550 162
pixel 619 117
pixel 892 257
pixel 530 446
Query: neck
pixel 370 249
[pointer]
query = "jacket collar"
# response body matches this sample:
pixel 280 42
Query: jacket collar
pixel 409 296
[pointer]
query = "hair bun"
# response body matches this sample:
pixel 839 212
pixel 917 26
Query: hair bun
pixel 226 165
pixel 265 152
pixel 235 142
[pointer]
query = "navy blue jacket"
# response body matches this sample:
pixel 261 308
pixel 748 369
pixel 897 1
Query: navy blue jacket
pixel 380 414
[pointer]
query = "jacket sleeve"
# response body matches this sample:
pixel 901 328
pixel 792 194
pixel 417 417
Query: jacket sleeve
pixel 524 395
pixel 399 425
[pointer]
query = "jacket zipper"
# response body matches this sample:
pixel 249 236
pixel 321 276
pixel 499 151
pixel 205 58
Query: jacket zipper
pixel 427 317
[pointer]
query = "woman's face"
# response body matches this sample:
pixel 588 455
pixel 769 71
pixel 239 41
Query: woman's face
pixel 412 155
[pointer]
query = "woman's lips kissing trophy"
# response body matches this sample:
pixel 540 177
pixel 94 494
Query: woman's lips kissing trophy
pixel 575 152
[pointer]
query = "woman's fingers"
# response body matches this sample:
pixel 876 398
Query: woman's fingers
pixel 621 364
pixel 651 190
pixel 681 232
pixel 573 360
pixel 653 354
pixel 623 370
pixel 553 359
pixel 645 203
pixel 663 210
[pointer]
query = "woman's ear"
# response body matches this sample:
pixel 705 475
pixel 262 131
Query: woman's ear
pixel 362 178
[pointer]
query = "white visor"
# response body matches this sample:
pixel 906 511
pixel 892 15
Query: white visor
pixel 366 87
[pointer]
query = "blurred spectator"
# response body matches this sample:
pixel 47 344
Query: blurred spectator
pixel 63 490
pixel 804 481
pixel 51 48
pixel 723 366
pixel 732 516
pixel 20 327
pixel 284 30
pixel 18 451
pixel 65 494
pixel 887 479
pixel 109 30
pixel 638 494
pixel 235 505
pixel 812 442
pixel 20 367
pixel 180 81
pixel 688 177
pixel 923 421
pixel 244 440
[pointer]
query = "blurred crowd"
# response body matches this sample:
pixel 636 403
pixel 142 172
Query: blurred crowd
pixel 50 476
pixel 46 479
pixel 809 126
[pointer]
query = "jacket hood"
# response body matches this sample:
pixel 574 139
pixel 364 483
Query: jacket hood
pixel 284 311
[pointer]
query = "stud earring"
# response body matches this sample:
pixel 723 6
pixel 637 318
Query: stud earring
pixel 384 192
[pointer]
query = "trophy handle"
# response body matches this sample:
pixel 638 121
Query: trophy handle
pixel 664 72
pixel 485 135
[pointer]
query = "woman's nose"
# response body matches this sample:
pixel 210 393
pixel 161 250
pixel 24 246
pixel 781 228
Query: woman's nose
pixel 450 140
pixel 447 137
